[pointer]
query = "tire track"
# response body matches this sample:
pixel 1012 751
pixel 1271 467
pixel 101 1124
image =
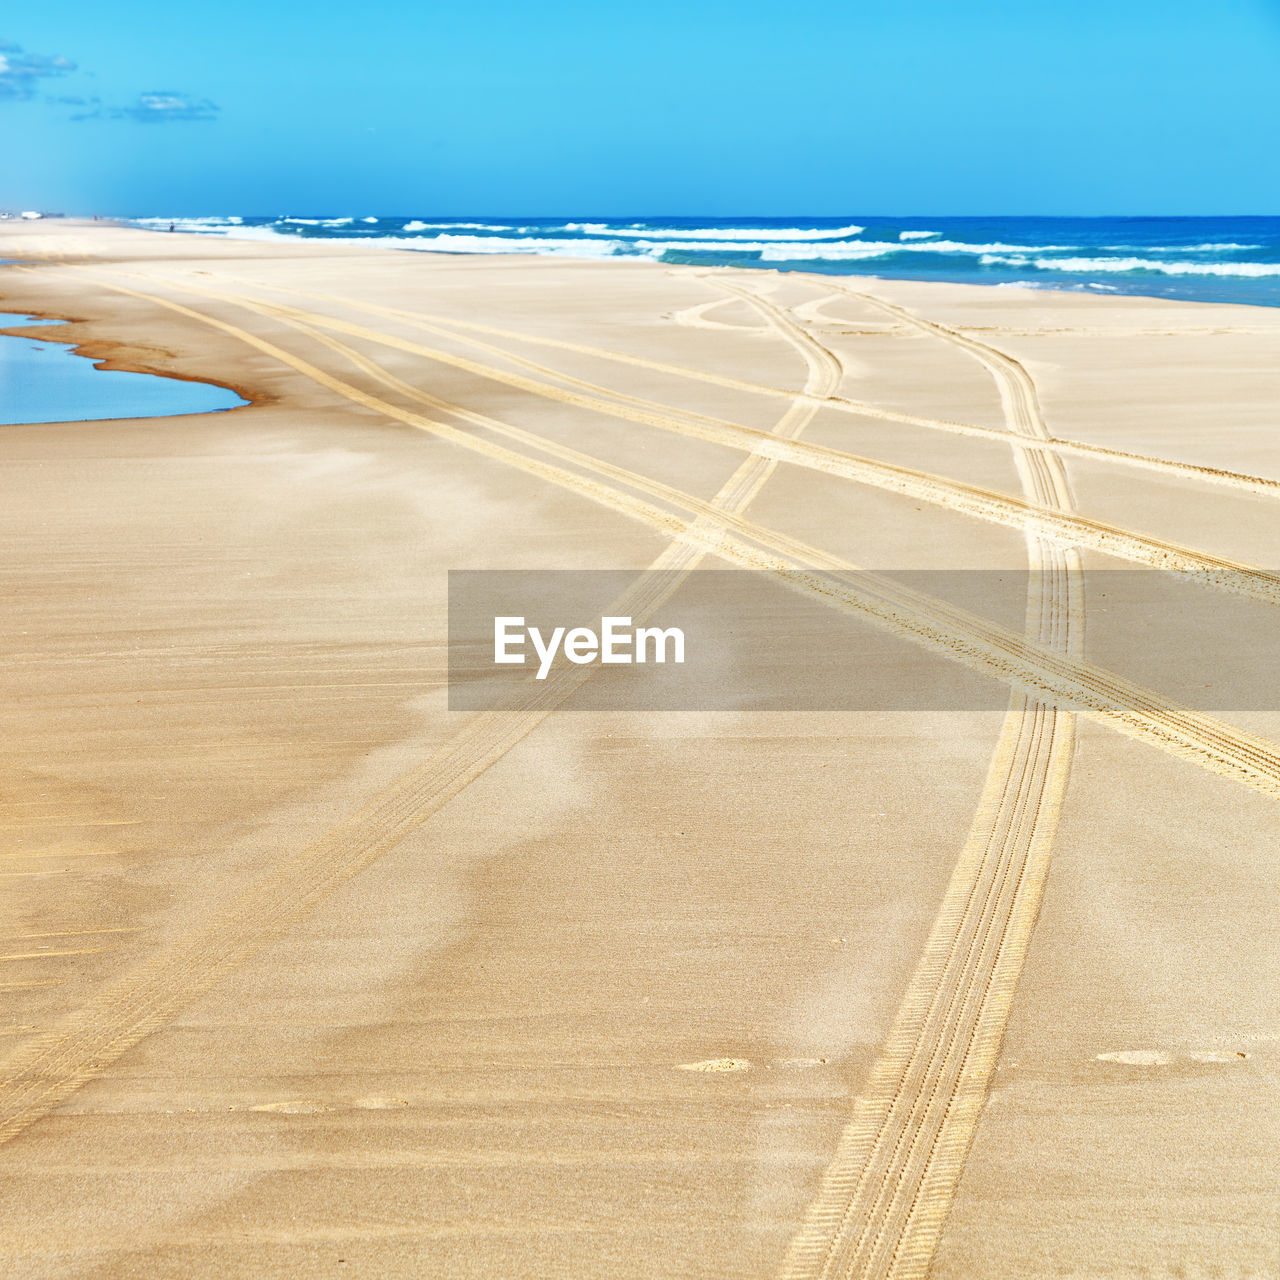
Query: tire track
pixel 49 1068
pixel 1050 522
pixel 978 947
pixel 880 1208
pixel 1194 472
pixel 977 643
pixel 696 318
pixel 948 962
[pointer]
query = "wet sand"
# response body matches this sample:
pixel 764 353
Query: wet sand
pixel 306 975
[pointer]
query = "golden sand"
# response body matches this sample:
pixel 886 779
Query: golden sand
pixel 306 975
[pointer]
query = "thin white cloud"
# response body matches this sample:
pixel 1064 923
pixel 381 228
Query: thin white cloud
pixel 21 73
pixel 161 106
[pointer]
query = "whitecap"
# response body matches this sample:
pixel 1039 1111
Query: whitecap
pixel 417 225
pixel 206 226
pixel 877 248
pixel 1124 265
pixel 551 245
pixel 1210 247
pixel 714 233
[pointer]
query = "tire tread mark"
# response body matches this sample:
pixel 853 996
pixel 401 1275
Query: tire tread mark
pixel 49 1068
pixel 882 1203
pixel 1053 523
pixel 1190 471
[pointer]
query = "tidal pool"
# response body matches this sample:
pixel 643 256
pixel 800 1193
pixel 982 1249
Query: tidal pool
pixel 48 382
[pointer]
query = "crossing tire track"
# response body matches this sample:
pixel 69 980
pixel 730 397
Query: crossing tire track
pixel 48 1069
pixel 1040 516
pixel 454 328
pixel 1012 657
pixel 878 1216
pixel 882 1203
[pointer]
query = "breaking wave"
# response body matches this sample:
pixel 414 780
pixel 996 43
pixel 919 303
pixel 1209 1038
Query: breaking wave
pixel 1218 259
pixel 415 225
pixel 1127 265
pixel 639 231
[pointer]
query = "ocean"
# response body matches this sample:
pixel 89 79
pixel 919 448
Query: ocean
pixel 1203 259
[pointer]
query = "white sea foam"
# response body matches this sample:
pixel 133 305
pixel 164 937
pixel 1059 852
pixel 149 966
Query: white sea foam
pixel 768 245
pixel 452 241
pixel 416 225
pixel 713 233
pixel 850 251
pixel 553 245
pixel 654 248
pixel 238 232
pixel 1211 247
pixel 853 249
pixel 559 245
pixel 1118 265
pixel 1054 286
pixel 208 226
pixel 845 250
pixel 961 246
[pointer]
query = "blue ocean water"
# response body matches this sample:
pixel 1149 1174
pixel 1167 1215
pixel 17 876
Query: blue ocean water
pixel 1205 259
pixel 48 382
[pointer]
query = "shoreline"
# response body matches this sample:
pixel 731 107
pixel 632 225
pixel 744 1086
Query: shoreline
pixel 448 994
pixel 105 356
pixel 1193 259
pixel 108 354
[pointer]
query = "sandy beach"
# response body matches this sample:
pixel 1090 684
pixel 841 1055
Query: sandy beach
pixel 306 975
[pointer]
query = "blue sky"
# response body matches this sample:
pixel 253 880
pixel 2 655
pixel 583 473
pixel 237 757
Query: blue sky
pixel 552 107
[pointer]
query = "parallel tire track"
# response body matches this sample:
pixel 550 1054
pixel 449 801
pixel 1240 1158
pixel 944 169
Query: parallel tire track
pixel 1193 472
pixel 882 1203
pixel 48 1069
pixel 984 646
pixel 884 1200
pixel 1051 522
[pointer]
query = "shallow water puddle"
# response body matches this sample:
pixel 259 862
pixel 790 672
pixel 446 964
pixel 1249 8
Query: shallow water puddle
pixel 48 382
